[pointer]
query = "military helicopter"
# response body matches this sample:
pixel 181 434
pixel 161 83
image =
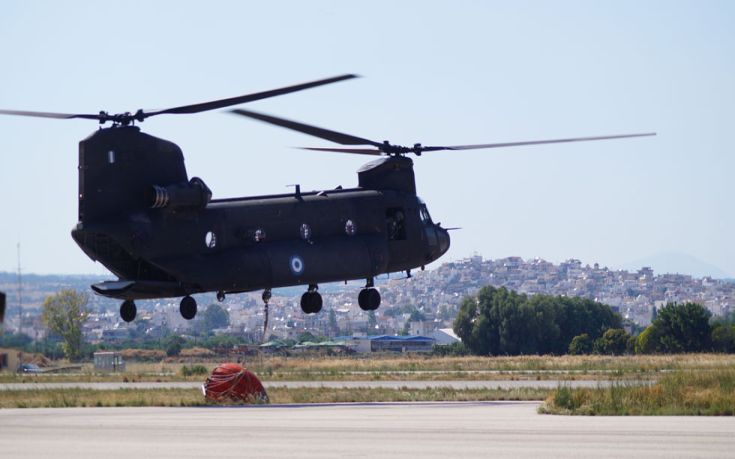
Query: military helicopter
pixel 163 235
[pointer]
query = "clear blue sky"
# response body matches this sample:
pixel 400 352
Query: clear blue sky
pixel 434 72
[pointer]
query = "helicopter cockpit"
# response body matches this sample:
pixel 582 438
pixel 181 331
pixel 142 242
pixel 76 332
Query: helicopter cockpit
pixel 424 213
pixel 436 237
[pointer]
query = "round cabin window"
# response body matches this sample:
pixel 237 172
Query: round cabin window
pixel 350 228
pixel 210 239
pixel 259 235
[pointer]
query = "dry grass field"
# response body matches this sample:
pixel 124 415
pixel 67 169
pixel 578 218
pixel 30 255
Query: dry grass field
pixel 411 367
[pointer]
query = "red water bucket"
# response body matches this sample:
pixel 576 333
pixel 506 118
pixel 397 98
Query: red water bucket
pixel 231 382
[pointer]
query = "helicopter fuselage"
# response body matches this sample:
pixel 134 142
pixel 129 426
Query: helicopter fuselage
pixel 164 236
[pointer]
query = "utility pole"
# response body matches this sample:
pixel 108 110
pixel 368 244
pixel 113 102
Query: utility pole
pixel 20 295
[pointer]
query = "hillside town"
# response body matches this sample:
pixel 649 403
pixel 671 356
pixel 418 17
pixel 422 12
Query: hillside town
pixel 418 305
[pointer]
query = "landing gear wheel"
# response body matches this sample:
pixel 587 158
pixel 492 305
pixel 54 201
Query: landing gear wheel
pixel 220 296
pixel 128 310
pixel 362 299
pixel 188 307
pixel 368 299
pixel 311 302
pixel 316 302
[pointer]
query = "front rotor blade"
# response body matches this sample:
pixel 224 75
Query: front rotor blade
pixel 326 134
pixel 535 142
pixel 61 116
pixel 359 151
pixel 215 104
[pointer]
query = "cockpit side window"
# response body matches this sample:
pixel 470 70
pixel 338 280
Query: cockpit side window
pixel 424 213
pixel 395 220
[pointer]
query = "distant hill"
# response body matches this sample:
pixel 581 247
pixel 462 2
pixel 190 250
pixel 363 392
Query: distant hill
pixel 678 263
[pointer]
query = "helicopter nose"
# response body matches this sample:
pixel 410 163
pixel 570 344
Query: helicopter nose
pixel 443 239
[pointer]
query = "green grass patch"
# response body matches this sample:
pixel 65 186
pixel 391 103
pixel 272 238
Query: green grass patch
pixel 708 393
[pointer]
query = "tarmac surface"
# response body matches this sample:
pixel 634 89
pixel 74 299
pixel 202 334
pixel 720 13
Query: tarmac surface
pixel 469 384
pixel 391 430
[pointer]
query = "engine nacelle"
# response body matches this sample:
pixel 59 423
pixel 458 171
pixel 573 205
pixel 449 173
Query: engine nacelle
pixel 193 195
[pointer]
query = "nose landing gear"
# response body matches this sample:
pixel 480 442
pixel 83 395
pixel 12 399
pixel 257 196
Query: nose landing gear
pixel 311 301
pixel 128 310
pixel 188 307
pixel 369 297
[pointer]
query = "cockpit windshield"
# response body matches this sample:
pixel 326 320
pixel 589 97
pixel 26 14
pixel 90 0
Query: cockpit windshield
pixel 424 213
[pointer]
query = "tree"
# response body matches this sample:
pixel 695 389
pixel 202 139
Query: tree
pixel 64 313
pixel 499 321
pixel 307 337
pixel 215 316
pixel 392 311
pixel 173 345
pixel 683 328
pixel 581 345
pixel 416 316
pixel 445 312
pixel 723 338
pixel 613 342
pixel 18 340
pixel 649 341
pixel 333 324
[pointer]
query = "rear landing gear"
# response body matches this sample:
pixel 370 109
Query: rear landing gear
pixel 311 301
pixel 369 297
pixel 188 307
pixel 128 310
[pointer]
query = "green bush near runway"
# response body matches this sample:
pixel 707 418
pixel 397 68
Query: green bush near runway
pixel 708 393
pixel 66 398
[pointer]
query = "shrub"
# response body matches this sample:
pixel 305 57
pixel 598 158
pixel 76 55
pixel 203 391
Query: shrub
pixel 723 338
pixel 143 354
pixel 193 370
pixel 454 349
pixel 196 352
pixel 613 342
pixel 581 345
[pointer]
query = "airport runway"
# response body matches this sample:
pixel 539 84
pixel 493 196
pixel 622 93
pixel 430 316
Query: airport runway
pixel 393 430
pixel 469 384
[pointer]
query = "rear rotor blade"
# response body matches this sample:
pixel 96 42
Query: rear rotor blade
pixel 50 115
pixel 215 104
pixel 535 142
pixel 326 134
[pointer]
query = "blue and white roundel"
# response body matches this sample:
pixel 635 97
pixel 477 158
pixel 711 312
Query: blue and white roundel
pixel 297 265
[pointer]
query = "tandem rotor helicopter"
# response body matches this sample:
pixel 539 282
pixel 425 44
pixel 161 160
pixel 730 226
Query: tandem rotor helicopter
pixel 163 235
